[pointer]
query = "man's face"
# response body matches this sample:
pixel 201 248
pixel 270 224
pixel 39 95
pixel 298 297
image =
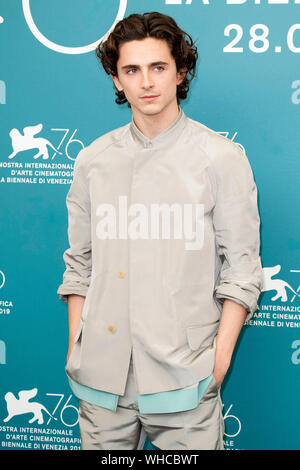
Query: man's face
pixel 146 67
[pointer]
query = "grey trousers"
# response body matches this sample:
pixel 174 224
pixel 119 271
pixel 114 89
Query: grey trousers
pixel 201 428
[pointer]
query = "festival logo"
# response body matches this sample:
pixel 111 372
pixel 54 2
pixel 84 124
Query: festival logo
pixel 28 141
pixel 23 405
pixel 29 424
pixel 278 285
pixel 280 309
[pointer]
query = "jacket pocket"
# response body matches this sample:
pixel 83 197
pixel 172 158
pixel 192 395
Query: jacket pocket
pixel 201 336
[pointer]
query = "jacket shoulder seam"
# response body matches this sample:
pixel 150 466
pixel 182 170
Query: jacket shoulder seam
pixel 98 152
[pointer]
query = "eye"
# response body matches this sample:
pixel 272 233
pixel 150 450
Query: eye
pixel 129 70
pixel 159 67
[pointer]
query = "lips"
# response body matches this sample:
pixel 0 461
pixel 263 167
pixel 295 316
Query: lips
pixel 149 97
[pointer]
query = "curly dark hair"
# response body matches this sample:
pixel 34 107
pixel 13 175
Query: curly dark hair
pixel 156 25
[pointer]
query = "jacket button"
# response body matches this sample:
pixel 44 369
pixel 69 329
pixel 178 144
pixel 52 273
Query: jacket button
pixel 111 328
pixel 121 273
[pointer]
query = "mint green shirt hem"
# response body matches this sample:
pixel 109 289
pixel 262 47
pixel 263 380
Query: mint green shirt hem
pixel 174 400
pixel 95 397
pixel 162 402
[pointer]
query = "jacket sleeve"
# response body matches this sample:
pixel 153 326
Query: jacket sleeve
pixel 237 229
pixel 77 258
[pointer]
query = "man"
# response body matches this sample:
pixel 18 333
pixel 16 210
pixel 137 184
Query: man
pixel 154 318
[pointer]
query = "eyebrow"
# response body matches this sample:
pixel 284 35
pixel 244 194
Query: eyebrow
pixel 129 66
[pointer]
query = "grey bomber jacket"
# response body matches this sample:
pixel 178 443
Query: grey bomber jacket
pixel 160 232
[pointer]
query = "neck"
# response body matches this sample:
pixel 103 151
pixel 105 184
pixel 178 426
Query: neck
pixel 153 124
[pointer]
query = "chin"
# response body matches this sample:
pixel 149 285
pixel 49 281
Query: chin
pixel 153 107
pixel 148 108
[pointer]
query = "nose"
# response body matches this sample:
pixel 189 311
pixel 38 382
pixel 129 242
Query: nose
pixel 146 80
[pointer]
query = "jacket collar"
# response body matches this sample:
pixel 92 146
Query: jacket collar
pixel 165 137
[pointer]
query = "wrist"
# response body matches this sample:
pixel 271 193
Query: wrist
pixel 223 357
pixel 224 349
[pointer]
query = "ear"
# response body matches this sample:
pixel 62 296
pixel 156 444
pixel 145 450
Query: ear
pixel 181 75
pixel 117 83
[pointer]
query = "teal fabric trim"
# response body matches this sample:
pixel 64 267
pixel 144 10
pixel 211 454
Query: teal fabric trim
pixel 161 402
pixel 173 401
pixel 96 397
